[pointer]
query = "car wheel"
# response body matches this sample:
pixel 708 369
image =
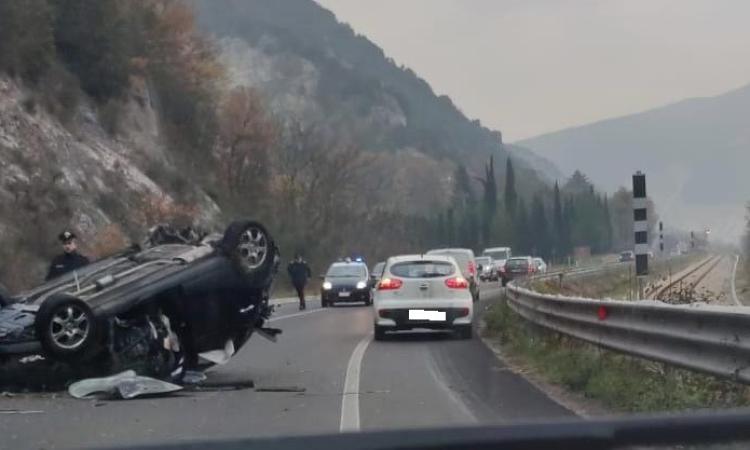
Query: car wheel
pixel 379 333
pixel 67 328
pixel 252 249
pixel 463 331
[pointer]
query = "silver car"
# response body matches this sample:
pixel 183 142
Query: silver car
pixel 541 266
pixel 486 268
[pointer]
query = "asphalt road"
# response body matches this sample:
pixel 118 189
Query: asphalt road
pixel 325 374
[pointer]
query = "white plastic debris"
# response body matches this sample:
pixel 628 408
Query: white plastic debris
pixel 220 356
pixel 125 385
pixel 193 377
pixel 31 359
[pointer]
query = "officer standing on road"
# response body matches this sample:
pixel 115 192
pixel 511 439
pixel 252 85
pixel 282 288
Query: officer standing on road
pixel 70 259
pixel 299 272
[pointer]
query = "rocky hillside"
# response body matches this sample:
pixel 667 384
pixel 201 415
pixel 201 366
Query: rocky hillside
pixel 77 175
pixel 315 69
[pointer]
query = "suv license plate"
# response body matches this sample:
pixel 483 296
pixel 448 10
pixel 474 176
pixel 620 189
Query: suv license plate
pixel 344 294
pixel 432 316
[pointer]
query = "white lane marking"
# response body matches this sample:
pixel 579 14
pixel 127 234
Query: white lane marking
pixel 350 396
pixel 733 282
pixel 289 316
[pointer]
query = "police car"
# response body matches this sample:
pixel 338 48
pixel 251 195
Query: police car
pixel 346 282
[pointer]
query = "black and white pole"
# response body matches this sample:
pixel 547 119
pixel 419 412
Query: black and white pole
pixel 640 216
pixel 661 237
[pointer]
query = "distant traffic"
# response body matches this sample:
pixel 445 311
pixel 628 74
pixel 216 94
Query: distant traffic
pixel 435 290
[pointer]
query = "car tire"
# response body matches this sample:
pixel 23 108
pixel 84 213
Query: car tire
pixel 67 328
pixel 464 331
pixel 379 333
pixel 250 247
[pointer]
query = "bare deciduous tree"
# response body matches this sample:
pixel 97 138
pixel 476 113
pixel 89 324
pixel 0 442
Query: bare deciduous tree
pixel 246 136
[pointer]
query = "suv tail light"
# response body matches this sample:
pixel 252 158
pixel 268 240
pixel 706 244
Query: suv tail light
pixel 390 284
pixel 457 283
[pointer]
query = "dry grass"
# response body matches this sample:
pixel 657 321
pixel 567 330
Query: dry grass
pixel 107 241
pixel 618 282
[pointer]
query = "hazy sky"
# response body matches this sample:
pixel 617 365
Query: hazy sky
pixel 532 66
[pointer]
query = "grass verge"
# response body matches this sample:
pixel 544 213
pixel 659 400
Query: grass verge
pixel 619 382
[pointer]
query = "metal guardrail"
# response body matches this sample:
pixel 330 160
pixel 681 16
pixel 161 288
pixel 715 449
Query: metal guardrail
pixel 709 339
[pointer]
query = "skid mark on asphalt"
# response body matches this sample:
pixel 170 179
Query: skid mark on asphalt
pixel 350 397
pixel 452 394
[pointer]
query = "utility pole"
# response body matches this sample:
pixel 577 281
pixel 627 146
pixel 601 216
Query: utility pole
pixel 640 229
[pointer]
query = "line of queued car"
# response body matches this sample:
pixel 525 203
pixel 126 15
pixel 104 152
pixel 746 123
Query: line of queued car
pixel 435 290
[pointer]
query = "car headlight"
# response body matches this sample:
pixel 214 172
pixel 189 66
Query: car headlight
pixel 361 285
pixel 327 285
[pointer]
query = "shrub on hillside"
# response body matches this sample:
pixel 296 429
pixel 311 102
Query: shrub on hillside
pixel 26 40
pixel 94 41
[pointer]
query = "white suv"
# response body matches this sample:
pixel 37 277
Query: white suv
pixel 423 292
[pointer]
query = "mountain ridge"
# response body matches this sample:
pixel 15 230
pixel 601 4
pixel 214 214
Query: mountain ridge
pixel 692 150
pixel 357 78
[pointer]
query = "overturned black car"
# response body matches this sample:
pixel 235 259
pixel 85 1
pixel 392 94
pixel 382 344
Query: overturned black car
pixel 183 300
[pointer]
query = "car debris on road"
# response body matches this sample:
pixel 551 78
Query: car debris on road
pixel 125 385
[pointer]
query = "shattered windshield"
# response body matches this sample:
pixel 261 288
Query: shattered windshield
pixel 192 193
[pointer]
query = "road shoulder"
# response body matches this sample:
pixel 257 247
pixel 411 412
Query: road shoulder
pixel 577 403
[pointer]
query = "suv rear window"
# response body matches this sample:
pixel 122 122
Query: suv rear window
pixel 516 263
pixel 422 269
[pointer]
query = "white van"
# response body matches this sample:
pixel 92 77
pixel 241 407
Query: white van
pixel 499 255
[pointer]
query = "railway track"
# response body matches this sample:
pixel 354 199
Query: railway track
pixel 683 288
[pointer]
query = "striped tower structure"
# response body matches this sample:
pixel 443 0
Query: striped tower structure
pixel 640 216
pixel 661 237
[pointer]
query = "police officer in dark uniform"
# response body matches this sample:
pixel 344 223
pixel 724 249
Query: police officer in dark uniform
pixel 299 272
pixel 70 259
